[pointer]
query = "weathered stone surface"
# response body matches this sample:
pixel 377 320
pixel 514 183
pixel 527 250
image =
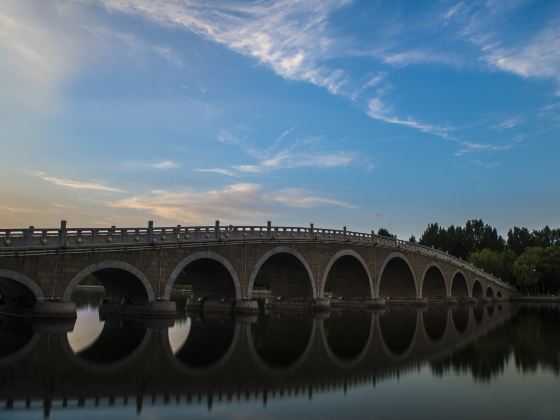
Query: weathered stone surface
pixel 293 269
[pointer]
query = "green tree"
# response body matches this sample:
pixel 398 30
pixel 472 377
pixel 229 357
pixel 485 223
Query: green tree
pixel 412 239
pixel 433 236
pixel 488 260
pixel 500 264
pixel 386 233
pixel 508 258
pixel 526 269
pixel 544 237
pixel 550 269
pixel 462 241
pixel 519 239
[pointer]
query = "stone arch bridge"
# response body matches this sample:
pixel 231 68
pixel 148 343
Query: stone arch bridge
pixel 228 267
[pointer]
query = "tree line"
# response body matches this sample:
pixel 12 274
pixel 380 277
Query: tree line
pixel 530 260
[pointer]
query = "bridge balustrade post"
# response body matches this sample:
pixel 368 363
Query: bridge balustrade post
pixel 150 230
pixel 177 232
pixel 344 232
pixel 28 235
pixel 217 229
pixel 62 232
pixel 268 228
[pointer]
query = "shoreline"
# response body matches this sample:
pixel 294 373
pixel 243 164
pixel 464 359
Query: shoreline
pixel 547 299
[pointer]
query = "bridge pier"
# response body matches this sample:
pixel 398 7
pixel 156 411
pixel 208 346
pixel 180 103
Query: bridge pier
pixel 303 304
pixel 358 304
pixel 155 308
pixel 54 309
pixel 443 300
pixel 465 300
pixel 407 301
pixel 224 305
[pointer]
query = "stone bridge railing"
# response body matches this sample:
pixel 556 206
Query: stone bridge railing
pixel 14 241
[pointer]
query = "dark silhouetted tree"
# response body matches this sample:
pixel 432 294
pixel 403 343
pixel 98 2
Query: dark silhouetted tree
pixel 519 239
pixel 384 232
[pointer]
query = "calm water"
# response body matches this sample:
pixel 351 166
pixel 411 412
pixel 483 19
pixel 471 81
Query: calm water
pixel 440 362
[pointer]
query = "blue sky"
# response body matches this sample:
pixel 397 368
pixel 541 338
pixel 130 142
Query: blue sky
pixel 356 113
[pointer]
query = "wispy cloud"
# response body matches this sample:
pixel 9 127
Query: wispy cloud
pixel 248 169
pixel 163 164
pixel 539 57
pixel 296 197
pixel 486 25
pixel 17 209
pixel 289 160
pixel 374 80
pixel 78 185
pixel 277 34
pixel 226 137
pixel 481 164
pixel 240 202
pixel 551 112
pixel 296 40
pixel 469 147
pixel 508 123
pixel 236 202
pixel 220 171
pixel 378 110
pixel 135 44
pixel 419 56
pixel 283 153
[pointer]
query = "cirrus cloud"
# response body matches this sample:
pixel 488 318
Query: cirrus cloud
pixel 236 203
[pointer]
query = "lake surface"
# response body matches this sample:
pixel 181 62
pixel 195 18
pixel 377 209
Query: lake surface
pixel 459 362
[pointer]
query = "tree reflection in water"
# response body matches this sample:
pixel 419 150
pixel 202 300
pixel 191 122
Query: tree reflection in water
pixel 530 337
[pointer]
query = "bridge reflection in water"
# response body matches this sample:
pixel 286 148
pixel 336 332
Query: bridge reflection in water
pixel 211 357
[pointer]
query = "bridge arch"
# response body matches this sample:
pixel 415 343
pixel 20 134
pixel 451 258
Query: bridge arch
pixel 398 331
pixel 222 264
pixel 478 314
pixel 208 347
pixel 399 277
pixel 285 343
pixel 280 258
pixel 18 340
pixel 433 282
pixel 477 290
pixel 17 286
pixel 460 315
pixel 119 344
pixel 435 322
pixel 499 295
pixel 135 279
pixel 350 266
pixel 489 292
pixel 347 337
pixel 459 285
